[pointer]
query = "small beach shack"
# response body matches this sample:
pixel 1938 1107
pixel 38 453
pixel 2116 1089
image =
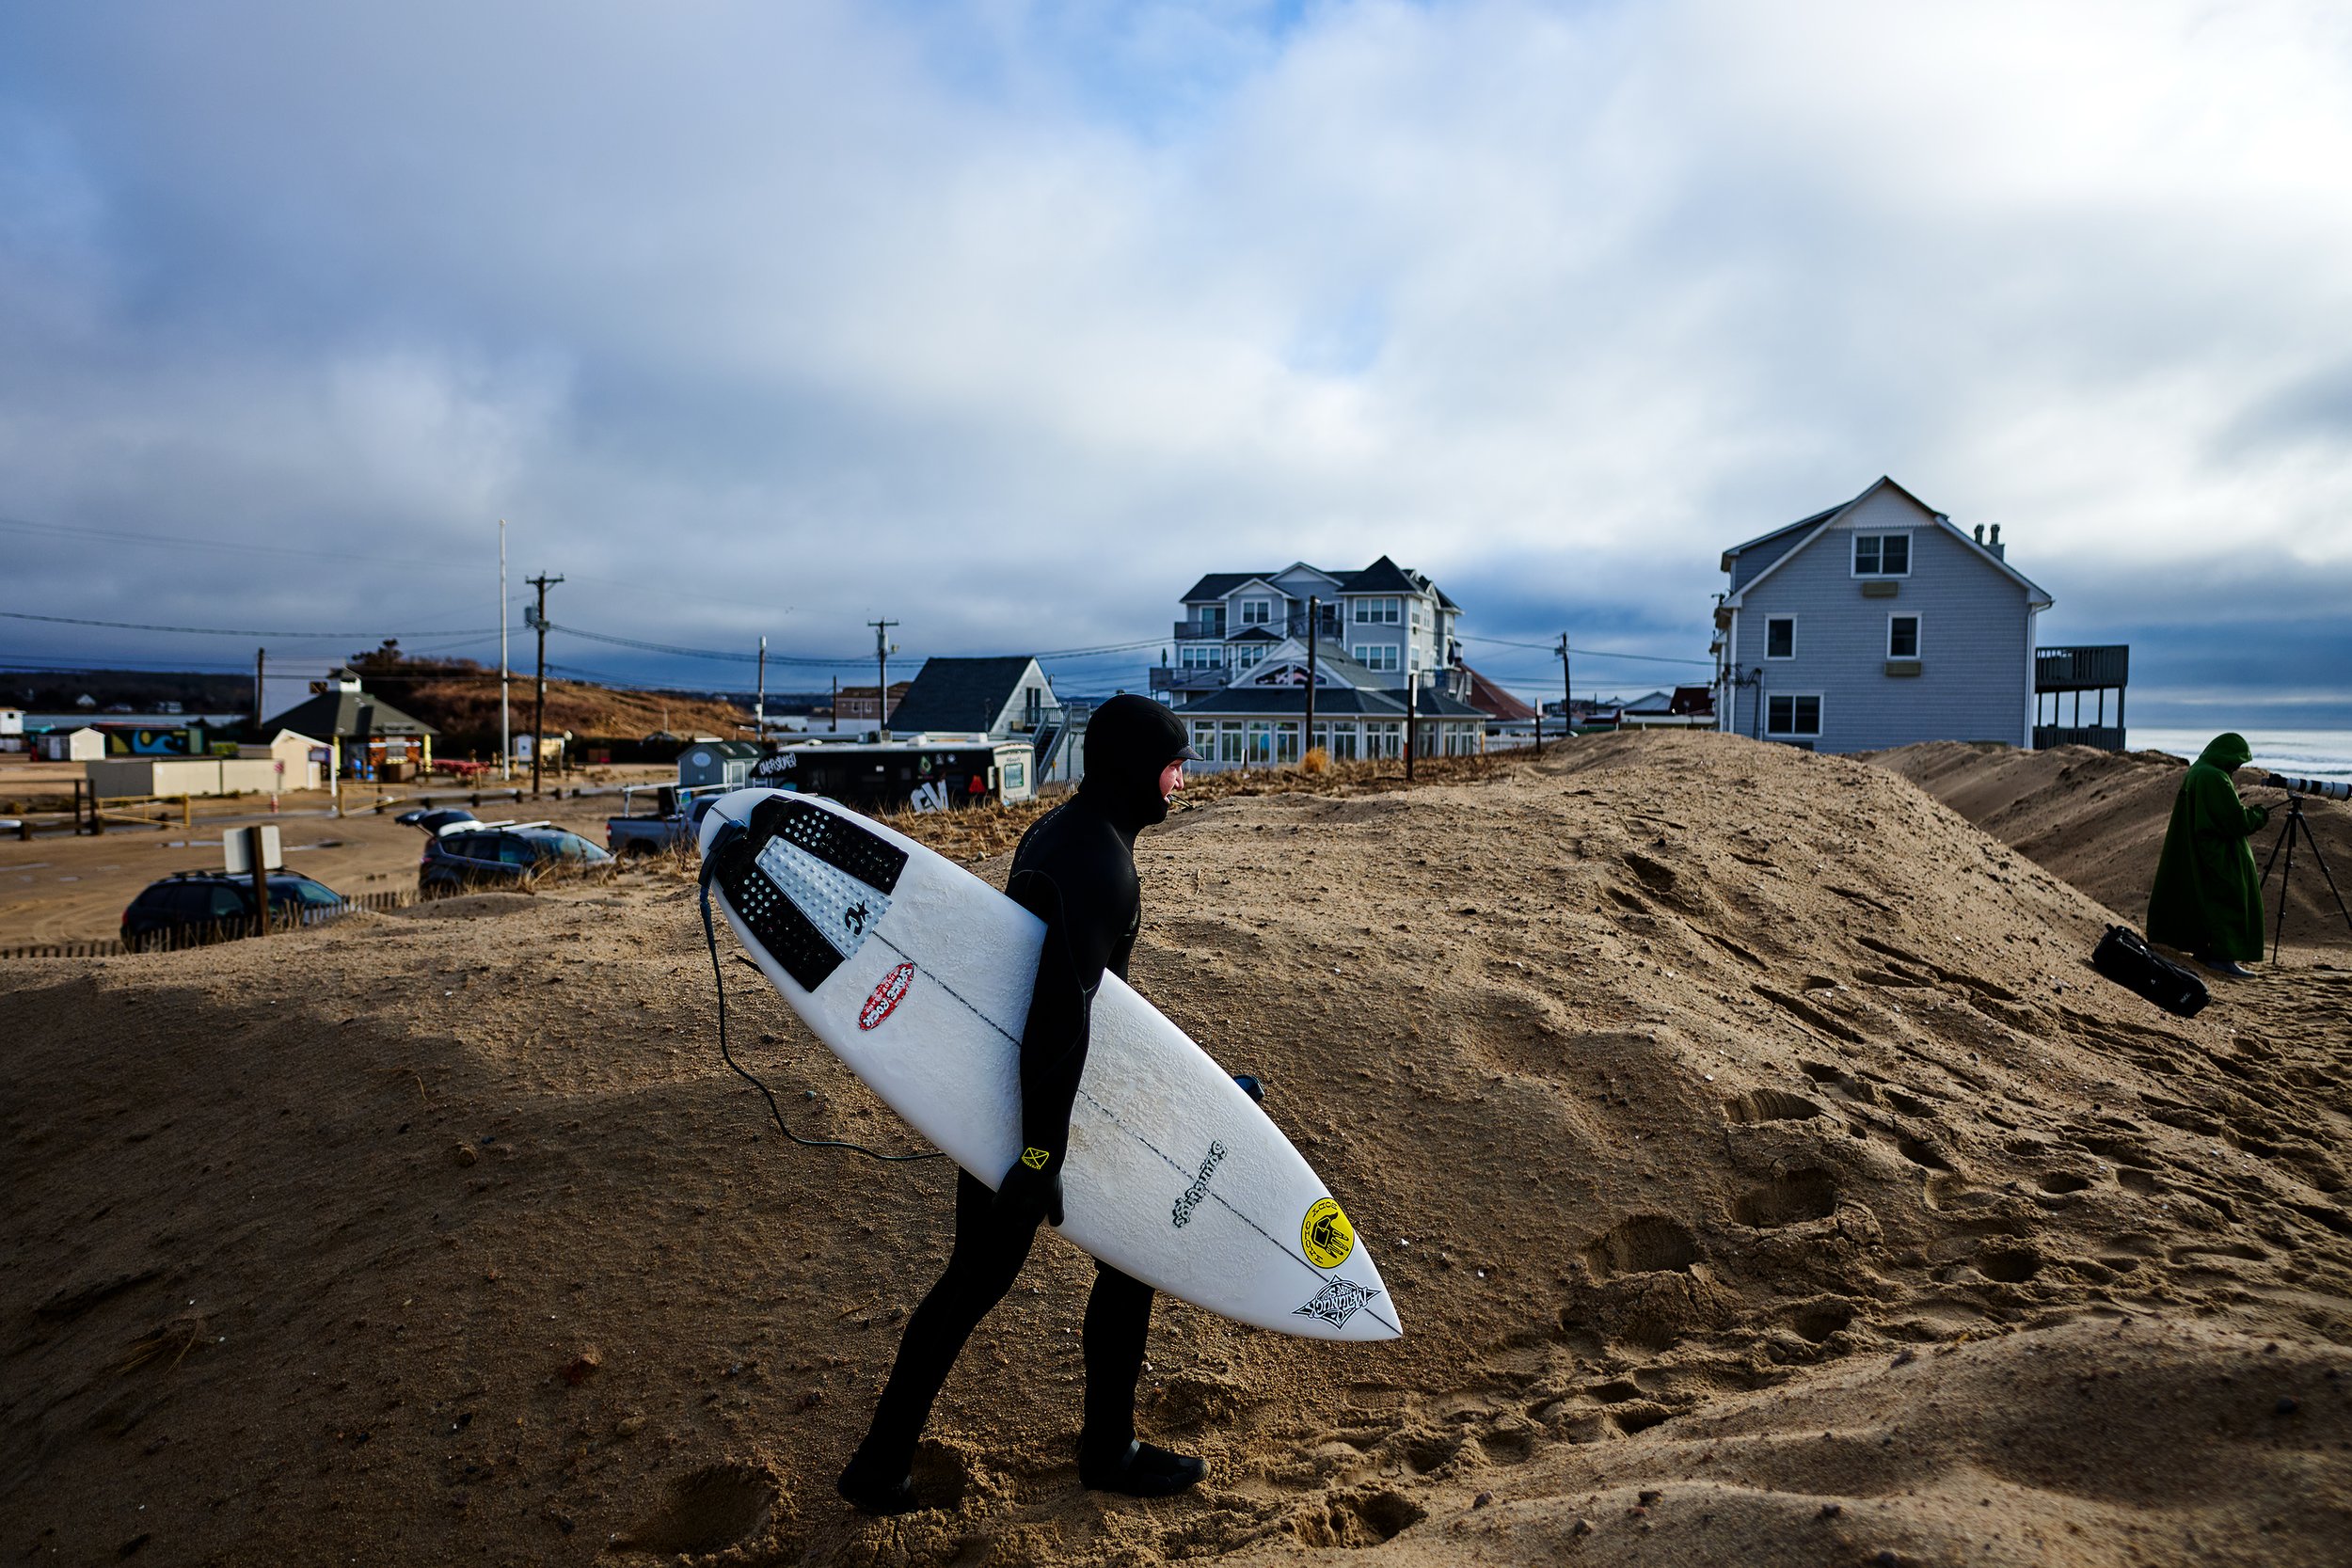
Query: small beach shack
pixel 366 737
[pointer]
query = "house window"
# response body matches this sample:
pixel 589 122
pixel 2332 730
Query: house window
pixel 1213 620
pixel 1376 656
pixel 1384 738
pixel 1256 613
pixel 1780 637
pixel 1882 555
pixel 1260 753
pixel 1902 637
pixel 1204 737
pixel 1228 741
pixel 1383 612
pixel 1200 656
pixel 1793 716
pixel 1244 657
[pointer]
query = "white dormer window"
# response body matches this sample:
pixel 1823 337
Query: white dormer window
pixel 1882 555
pixel 1257 613
pixel 1379 612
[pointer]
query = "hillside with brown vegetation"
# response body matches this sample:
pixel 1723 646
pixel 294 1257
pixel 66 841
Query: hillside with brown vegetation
pixel 462 696
pixel 1760 1174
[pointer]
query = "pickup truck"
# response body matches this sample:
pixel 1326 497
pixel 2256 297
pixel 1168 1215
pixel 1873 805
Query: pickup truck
pixel 671 823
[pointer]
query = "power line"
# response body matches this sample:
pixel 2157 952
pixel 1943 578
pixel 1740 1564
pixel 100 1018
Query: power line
pixel 1553 649
pixel 727 655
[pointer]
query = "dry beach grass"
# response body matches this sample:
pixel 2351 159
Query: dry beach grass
pixel 1762 1177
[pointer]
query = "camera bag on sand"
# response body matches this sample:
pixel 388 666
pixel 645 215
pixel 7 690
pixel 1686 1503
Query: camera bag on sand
pixel 2127 960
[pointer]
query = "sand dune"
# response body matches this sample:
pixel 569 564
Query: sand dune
pixel 1744 1127
pixel 2097 818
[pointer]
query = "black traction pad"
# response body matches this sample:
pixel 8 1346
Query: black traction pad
pixel 787 934
pixel 840 843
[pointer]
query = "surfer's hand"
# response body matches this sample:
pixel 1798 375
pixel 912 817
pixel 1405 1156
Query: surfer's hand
pixel 1029 1194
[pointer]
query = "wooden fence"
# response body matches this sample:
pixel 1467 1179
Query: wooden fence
pixel 173 939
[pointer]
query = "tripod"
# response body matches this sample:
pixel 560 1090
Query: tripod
pixel 2296 821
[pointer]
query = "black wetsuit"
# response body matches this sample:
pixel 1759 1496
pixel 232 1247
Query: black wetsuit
pixel 1074 870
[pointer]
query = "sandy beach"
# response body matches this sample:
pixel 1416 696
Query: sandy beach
pixel 1763 1176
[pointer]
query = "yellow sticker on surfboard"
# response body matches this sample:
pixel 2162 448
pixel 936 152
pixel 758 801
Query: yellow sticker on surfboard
pixel 1324 1235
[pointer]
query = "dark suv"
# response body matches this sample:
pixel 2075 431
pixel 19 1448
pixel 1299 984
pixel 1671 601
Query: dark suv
pixel 191 907
pixel 511 855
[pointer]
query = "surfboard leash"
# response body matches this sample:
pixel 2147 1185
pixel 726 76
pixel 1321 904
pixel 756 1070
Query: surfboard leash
pixel 717 976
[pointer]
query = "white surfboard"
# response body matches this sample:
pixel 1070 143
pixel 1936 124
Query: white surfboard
pixel 918 975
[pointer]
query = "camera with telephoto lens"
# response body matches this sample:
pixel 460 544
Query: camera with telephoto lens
pixel 2330 789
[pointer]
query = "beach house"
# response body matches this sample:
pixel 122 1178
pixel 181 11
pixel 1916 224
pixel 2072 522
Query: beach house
pixel 1876 623
pixel 1383 638
pixel 1005 697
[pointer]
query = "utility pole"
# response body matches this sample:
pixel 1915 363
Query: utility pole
pixel 1412 694
pixel 834 723
pixel 259 658
pixel 539 709
pixel 1306 742
pixel 1567 694
pixel 760 702
pixel 507 741
pixel 881 667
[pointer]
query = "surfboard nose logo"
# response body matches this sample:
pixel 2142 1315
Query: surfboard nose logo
pixel 1324 1235
pixel 886 996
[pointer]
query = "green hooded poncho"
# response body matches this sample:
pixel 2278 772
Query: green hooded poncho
pixel 2208 896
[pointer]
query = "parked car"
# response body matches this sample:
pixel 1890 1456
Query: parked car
pixel 191 907
pixel 432 821
pixel 676 817
pixel 517 855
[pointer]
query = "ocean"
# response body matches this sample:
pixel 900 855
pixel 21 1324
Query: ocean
pixel 2296 753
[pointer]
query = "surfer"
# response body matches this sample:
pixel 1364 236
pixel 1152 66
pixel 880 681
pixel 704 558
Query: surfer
pixel 1076 870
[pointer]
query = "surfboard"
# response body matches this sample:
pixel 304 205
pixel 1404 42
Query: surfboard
pixel 918 975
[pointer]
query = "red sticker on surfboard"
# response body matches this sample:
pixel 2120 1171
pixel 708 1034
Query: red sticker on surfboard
pixel 886 996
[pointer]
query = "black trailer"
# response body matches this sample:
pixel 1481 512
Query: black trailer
pixel 919 774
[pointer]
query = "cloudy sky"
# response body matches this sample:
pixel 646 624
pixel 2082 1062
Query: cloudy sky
pixel 1004 321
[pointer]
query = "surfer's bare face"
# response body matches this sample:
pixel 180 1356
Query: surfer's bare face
pixel 1172 779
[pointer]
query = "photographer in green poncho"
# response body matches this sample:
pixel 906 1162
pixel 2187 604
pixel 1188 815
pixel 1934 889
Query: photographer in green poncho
pixel 2207 899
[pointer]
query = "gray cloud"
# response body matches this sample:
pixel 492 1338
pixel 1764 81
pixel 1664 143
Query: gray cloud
pixel 1010 320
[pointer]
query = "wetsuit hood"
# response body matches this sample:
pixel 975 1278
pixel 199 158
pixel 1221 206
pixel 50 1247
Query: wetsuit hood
pixel 1129 739
pixel 2228 753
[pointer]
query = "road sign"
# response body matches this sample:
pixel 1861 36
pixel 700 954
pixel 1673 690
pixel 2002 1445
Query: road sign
pixel 236 849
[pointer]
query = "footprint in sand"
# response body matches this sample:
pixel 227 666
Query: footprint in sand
pixel 1355 1520
pixel 1820 1321
pixel 1790 1199
pixel 1643 1245
pixel 713 1508
pixel 1770 1106
pixel 2008 1265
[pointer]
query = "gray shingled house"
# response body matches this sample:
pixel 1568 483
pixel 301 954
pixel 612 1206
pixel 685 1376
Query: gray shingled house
pixel 1876 623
